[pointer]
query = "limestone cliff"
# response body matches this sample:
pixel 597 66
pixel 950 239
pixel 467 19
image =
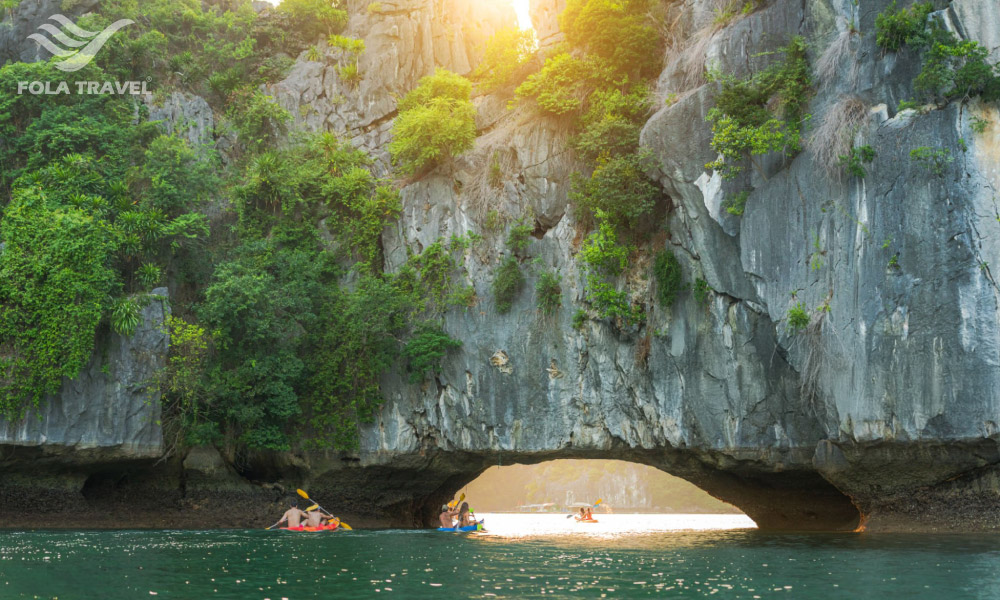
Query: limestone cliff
pixel 884 405
pixel 883 409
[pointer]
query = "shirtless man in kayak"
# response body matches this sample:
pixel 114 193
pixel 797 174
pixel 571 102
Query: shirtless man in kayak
pixel 447 515
pixel 315 518
pixel 293 515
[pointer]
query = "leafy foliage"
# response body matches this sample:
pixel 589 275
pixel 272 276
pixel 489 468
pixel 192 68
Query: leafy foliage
pixel 602 253
pixel 125 315
pixel 619 189
pixel 347 44
pixel 893 28
pixel 951 68
pixel 610 127
pixel 436 122
pixel 358 343
pixel 506 52
pixel 935 161
pixel 257 118
pixel 737 203
pixel 183 383
pixel 955 69
pixel 604 259
pixel 311 19
pixel 548 292
pixel 743 125
pixel 563 83
pixel 426 348
pixel 507 284
pixel 669 282
pixel 55 282
pixel 519 237
pixel 617 31
pixel 978 124
pixel 178 179
pixel 798 317
pixel 854 162
pixel 701 291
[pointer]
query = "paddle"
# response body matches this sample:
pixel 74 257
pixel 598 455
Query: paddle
pixel 476 519
pixel 306 496
pixel 599 500
pixel 454 503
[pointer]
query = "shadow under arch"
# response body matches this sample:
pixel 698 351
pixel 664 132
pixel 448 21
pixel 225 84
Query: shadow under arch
pixel 408 491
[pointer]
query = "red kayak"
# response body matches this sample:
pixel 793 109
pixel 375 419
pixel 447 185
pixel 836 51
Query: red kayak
pixel 330 527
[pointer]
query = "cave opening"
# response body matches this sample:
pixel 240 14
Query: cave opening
pixel 622 496
pixel 692 483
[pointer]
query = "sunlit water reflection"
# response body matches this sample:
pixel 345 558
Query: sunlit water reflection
pixel 527 525
pixel 558 559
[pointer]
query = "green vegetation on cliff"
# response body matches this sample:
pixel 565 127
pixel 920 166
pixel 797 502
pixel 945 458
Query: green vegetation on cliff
pixel 599 78
pixel 506 52
pixel 436 122
pixel 761 113
pixel 283 319
pixel 95 208
pixel 952 69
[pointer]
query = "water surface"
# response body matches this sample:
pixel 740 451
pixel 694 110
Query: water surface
pixel 561 559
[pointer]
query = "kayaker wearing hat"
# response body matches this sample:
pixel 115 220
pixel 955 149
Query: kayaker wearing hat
pixel 447 515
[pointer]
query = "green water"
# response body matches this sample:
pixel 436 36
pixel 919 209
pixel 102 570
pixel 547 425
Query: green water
pixel 115 565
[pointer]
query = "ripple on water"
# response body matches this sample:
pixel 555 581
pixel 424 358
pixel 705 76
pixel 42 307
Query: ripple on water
pixel 563 563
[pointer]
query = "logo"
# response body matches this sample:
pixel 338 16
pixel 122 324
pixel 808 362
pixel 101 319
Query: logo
pixel 77 52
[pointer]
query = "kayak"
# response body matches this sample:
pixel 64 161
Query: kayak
pixel 586 521
pixel 331 527
pixel 477 527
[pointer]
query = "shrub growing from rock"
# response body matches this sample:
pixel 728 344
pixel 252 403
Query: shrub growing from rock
pixel 505 53
pixel 548 292
pixel 743 124
pixel 893 28
pixel 669 282
pixel 508 284
pixel 436 122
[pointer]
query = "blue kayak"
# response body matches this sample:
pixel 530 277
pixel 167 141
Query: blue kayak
pixel 477 527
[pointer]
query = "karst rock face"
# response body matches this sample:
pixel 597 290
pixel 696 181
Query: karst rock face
pixel 882 412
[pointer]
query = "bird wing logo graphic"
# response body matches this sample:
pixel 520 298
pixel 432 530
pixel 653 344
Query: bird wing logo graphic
pixel 77 52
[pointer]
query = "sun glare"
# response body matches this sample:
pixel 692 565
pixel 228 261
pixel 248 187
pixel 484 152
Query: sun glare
pixel 523 14
pixel 520 7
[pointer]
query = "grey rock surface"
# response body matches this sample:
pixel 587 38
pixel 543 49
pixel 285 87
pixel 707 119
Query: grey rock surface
pixel 882 412
pixel 545 20
pixel 17 24
pixel 404 41
pixel 186 115
pixel 110 412
pixel 900 357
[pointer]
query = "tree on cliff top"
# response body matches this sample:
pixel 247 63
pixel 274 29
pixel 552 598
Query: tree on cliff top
pixel 618 31
pixel 436 122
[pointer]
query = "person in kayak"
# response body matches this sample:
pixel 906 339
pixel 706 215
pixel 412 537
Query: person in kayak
pixel 447 516
pixel 293 516
pixel 315 517
pixel 465 518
